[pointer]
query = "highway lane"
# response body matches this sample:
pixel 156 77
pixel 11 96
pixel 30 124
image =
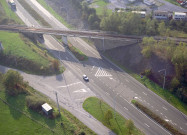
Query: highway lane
pixel 94 52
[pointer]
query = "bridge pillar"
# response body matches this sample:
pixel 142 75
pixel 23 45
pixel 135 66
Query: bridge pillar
pixel 65 40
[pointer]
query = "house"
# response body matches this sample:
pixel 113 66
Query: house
pixel 162 15
pixel 179 16
pixel 142 13
pixel 47 109
pixel 149 2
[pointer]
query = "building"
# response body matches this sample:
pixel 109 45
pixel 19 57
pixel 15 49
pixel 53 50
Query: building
pixel 47 109
pixel 179 16
pixel 149 2
pixel 142 13
pixel 162 15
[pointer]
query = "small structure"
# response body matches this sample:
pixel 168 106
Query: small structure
pixel 142 13
pixel 149 2
pixel 47 109
pixel 162 15
pixel 179 16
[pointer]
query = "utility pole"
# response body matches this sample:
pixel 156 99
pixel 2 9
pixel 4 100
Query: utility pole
pixel 164 76
pixel 103 44
pixel 57 102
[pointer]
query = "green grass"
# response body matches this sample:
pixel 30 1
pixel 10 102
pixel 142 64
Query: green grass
pixel 19 122
pixel 21 53
pixel 99 5
pixel 14 45
pixel 57 16
pixel 23 125
pixel 165 94
pixel 98 108
pixel 77 53
pixel 9 13
pixel 34 14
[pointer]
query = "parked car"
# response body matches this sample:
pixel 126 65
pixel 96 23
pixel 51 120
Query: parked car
pixel 85 78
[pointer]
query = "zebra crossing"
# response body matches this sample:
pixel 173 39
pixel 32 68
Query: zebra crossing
pixel 102 73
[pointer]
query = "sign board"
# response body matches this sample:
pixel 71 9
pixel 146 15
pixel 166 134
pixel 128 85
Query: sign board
pixel 1 46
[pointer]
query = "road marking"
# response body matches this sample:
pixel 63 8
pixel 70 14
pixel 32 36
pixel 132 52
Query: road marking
pixel 156 110
pixel 69 85
pixel 166 120
pixel 127 80
pixel 107 93
pixel 125 108
pixel 161 113
pixel 102 73
pixel 81 90
pixel 180 128
pixel 165 108
pixel 144 93
pixel 111 78
pixel 146 125
pixel 93 67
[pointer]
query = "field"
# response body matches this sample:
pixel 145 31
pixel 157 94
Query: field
pixel 16 118
pixel 99 5
pixel 98 108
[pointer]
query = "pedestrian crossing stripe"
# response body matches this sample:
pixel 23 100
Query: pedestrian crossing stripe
pixel 101 72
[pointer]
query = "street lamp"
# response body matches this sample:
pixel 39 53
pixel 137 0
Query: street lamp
pixel 164 76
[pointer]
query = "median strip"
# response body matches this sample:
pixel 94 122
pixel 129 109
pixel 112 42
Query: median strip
pixel 157 118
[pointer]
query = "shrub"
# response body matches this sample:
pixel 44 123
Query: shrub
pixel 56 65
pixel 34 103
pixel 146 51
pixel 13 82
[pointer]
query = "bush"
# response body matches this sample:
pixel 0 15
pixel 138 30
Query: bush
pixel 13 82
pixel 34 103
pixel 146 51
pixel 56 65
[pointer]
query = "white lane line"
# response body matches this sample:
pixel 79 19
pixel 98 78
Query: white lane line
pixel 165 108
pixel 161 113
pixel 144 93
pixel 146 125
pixel 93 67
pixel 69 85
pixel 81 90
pixel 156 110
pixel 180 128
pixel 125 108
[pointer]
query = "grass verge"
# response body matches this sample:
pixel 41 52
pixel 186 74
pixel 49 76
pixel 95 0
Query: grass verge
pixel 99 5
pixel 33 13
pixel 77 53
pixel 98 108
pixel 57 16
pixel 19 52
pixel 18 119
pixel 162 122
pixel 165 94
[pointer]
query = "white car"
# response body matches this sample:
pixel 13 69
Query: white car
pixel 85 78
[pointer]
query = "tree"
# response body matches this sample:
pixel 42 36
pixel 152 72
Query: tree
pixel 174 83
pixel 56 65
pixel 108 116
pixel 130 125
pixel 162 28
pixel 12 81
pixel 151 27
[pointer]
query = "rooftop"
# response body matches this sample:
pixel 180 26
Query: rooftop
pixel 46 107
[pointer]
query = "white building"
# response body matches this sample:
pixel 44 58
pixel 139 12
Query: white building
pixel 142 13
pixel 162 15
pixel 149 2
pixel 47 109
pixel 179 16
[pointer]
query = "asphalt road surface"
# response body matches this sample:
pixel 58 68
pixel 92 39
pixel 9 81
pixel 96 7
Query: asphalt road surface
pixel 112 84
